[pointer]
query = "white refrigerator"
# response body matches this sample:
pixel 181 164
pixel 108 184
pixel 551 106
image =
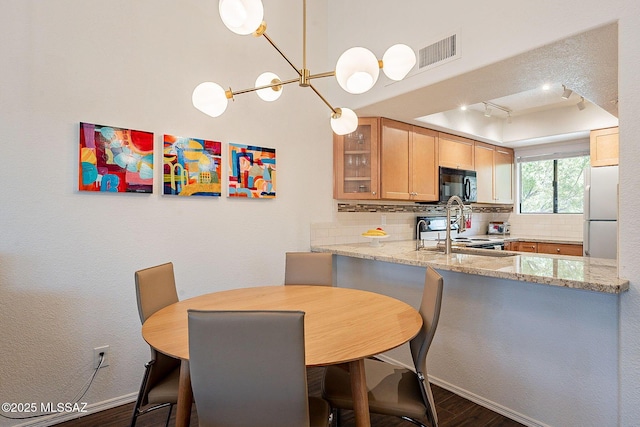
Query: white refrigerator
pixel 601 212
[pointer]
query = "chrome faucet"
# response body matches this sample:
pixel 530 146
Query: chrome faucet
pixel 462 223
pixel 419 242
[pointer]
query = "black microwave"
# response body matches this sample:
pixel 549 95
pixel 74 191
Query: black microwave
pixel 458 182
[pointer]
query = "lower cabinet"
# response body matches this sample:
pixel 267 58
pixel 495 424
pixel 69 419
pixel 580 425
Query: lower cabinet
pixel 524 246
pixel 571 249
pixel 560 249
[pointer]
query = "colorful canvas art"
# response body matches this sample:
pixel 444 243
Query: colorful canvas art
pixel 115 160
pixel 192 167
pixel 252 171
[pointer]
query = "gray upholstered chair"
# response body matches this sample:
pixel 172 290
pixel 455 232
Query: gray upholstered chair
pixel 308 268
pixel 248 369
pixel 394 390
pixel 156 289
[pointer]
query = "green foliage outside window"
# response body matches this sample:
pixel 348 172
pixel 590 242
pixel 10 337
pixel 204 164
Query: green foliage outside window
pixel 552 186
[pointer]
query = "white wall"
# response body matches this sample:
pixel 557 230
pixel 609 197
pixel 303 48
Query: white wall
pixel 67 259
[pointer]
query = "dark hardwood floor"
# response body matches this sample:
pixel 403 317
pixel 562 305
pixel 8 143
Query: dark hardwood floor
pixel 453 411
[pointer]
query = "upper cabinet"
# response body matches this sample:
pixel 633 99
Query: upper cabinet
pixel 604 147
pixel 484 171
pixel 355 162
pixel 503 170
pixel 408 159
pixel 494 171
pixel 455 152
pixel 388 160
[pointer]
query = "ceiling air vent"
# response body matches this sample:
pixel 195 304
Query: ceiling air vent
pixel 438 53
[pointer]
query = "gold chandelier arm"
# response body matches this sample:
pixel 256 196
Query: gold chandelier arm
pixel 253 89
pixel 321 75
pixel 281 53
pixel 333 110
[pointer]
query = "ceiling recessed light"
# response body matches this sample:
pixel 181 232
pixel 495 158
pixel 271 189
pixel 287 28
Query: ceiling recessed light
pixel 546 86
pixel 463 107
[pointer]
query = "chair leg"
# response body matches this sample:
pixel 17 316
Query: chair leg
pixel 336 417
pixel 145 379
pixel 169 415
pixel 418 423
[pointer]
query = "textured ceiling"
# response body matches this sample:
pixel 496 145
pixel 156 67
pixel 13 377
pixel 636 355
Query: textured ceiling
pixel 587 63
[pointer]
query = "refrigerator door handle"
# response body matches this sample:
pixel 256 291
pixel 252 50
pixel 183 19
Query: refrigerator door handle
pixel 587 202
pixel 587 217
pixel 585 238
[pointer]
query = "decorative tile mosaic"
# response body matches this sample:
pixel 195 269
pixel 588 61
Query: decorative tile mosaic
pixel 428 209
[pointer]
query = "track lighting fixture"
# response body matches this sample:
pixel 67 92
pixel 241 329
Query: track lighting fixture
pixel 581 104
pixel 487 110
pixel 356 71
pixel 566 92
pixel 490 106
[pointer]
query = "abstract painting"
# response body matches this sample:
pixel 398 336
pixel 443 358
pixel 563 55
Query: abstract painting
pixel 252 171
pixel 192 167
pixel 115 160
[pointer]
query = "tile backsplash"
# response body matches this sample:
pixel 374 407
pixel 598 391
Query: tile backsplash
pixel 349 226
pixel 556 226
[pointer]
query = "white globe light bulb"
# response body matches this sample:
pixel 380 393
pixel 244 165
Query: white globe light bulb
pixel 357 70
pixel 210 98
pixel 241 16
pixel 268 94
pixel 397 61
pixel 346 123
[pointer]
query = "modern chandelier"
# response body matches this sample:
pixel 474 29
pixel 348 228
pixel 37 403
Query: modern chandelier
pixel 356 71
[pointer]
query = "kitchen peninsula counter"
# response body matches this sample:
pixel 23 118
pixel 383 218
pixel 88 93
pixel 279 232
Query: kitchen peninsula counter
pixel 591 274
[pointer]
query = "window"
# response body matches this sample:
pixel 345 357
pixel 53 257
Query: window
pixel 552 185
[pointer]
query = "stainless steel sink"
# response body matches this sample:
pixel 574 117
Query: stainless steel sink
pixel 473 251
pixel 482 252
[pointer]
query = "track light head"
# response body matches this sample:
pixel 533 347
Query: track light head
pixel 566 93
pixel 581 104
pixel 487 110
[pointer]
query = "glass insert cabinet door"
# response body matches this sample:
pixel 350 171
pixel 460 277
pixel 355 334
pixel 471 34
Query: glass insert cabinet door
pixel 355 161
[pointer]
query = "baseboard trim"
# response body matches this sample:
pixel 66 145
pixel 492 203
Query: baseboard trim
pixel 61 417
pixel 495 407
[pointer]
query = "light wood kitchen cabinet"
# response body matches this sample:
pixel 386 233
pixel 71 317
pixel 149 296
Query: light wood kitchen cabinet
pixel 524 246
pixel 560 248
pixel 484 154
pixel 455 152
pixel 494 172
pixel 408 159
pixel 355 162
pixel 604 147
pixel 504 174
pixel 572 249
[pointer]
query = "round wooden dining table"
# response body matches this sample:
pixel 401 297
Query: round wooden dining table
pixel 341 325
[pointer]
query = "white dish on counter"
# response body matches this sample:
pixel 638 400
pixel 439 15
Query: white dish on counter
pixel 375 240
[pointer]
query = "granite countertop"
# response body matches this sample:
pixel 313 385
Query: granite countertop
pixel 524 238
pixel 591 274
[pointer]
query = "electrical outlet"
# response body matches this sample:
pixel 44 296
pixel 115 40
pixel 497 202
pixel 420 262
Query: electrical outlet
pixel 383 220
pixel 96 356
